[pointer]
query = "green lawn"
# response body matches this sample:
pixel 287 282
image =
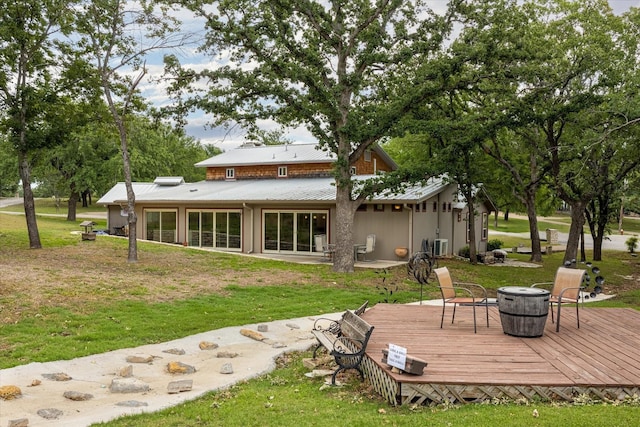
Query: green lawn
pixel 172 288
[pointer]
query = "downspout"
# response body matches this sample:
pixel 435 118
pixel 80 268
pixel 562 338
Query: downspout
pixel 438 218
pixel 410 228
pixel 244 205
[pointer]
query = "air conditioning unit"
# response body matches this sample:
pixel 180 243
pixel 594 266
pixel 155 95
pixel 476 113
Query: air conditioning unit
pixel 440 247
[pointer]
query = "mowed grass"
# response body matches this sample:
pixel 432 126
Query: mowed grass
pixel 84 298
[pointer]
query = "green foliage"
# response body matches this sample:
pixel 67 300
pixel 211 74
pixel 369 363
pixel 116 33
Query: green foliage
pixel 494 244
pixel 632 243
pixel 464 252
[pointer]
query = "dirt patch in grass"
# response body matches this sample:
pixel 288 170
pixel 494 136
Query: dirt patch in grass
pixel 79 275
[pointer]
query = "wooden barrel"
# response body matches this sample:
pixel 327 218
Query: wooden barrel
pixel 523 311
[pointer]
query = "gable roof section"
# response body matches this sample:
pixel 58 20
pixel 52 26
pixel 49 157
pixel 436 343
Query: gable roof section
pixel 269 155
pixel 258 190
pixel 279 155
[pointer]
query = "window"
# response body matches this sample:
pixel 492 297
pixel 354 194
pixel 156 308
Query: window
pixel 362 208
pixel 449 207
pixel 293 231
pixel 444 207
pixel 367 156
pixel 214 229
pixel 378 207
pixel 396 208
pixel 282 171
pixel 417 207
pixel 485 225
pixel 435 206
pixel 231 173
pixel 161 225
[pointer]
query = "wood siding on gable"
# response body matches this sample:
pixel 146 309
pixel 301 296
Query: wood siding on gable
pixel 364 167
pixel 296 170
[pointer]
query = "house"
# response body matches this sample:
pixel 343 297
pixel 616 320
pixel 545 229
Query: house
pixel 276 199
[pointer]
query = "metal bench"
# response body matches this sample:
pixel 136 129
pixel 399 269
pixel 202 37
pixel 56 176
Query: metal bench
pixel 346 340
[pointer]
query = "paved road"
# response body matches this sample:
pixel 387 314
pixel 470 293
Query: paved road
pixel 614 242
pixel 10 201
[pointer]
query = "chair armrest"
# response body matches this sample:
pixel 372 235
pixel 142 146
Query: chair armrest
pixel 467 290
pixel 466 286
pixel 579 288
pixel 325 324
pixel 541 284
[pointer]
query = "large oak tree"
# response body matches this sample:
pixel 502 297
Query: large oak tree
pixel 348 70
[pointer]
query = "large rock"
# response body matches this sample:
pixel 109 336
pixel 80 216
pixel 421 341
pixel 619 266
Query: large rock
pixel 128 385
pixel 180 368
pixel 10 392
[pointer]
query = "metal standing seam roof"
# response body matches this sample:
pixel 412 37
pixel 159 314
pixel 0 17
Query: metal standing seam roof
pixel 259 190
pixel 269 155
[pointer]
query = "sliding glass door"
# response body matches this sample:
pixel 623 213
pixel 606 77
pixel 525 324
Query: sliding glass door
pixel 293 231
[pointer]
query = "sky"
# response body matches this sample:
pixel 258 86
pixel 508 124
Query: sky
pixel 196 127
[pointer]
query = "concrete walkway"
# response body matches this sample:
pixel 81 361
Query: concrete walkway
pixel 96 375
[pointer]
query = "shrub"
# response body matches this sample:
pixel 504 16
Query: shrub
pixel 494 244
pixel 464 252
pixel 632 243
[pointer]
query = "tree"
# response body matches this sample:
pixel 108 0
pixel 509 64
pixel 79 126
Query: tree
pixel 116 36
pixel 9 177
pixel 347 70
pixel 30 43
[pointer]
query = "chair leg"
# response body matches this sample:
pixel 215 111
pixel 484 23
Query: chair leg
pixel 444 305
pixel 486 309
pixel 558 321
pixel 453 317
pixel 578 315
pixel 475 330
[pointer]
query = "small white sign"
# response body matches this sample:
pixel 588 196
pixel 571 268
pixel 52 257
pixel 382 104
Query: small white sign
pixel 397 356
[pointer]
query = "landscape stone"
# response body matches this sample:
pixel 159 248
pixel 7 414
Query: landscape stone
pixel 140 358
pixel 180 368
pixel 179 386
pixel 10 392
pixel 263 328
pixel 58 376
pixel 50 413
pixel 252 334
pixel 176 351
pixel 292 326
pixel 20 422
pixel 128 385
pixel 227 368
pixel 126 372
pixel 132 403
pixel 77 396
pixel 227 354
pixel 278 345
pixel 207 345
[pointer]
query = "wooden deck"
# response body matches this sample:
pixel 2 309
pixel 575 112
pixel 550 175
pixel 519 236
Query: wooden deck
pixel 601 359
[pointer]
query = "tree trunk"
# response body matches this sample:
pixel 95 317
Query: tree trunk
pixel 534 232
pixel 506 215
pixel 72 205
pixel 29 202
pixel 343 258
pixel 577 222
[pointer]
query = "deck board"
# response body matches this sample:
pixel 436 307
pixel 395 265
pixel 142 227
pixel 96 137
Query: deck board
pixel 603 352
